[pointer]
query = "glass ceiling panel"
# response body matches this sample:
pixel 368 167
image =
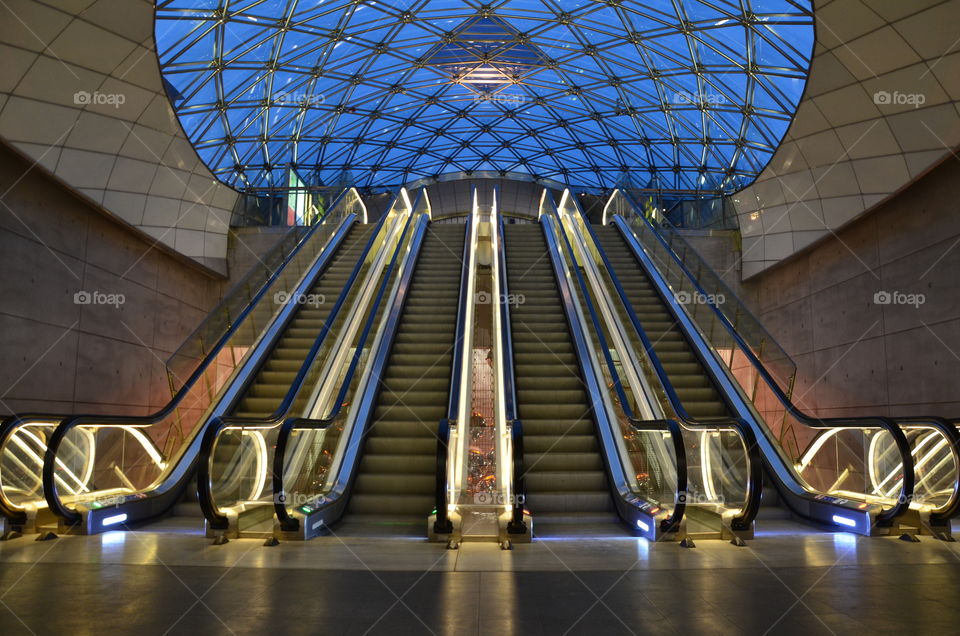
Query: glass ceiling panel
pixel 587 93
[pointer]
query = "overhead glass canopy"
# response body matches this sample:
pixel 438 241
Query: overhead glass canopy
pixel 684 95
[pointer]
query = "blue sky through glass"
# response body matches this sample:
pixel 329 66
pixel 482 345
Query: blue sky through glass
pixel 685 94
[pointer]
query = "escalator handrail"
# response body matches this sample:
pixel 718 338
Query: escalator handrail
pixel 748 438
pixel 287 522
pixel 950 509
pixel 16 515
pixel 519 490
pixel 885 423
pixel 567 298
pixel 51 494
pixel 220 423
pixel 442 524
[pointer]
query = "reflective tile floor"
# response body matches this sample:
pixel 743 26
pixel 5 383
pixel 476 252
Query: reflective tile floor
pixel 786 581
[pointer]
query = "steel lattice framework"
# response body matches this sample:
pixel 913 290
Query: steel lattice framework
pixel 687 94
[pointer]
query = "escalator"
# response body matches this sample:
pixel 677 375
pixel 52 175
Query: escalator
pixel 277 373
pixel 396 479
pixel 687 375
pixel 566 482
pixel 850 473
pixel 684 369
pixel 128 469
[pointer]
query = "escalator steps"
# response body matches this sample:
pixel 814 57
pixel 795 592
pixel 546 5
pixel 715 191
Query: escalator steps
pixel 277 373
pixel 684 369
pixel 396 478
pixel 565 477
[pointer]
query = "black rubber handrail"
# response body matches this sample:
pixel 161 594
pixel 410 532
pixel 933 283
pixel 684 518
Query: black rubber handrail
pixel 676 516
pixel 943 514
pixel 885 423
pixel 72 517
pixel 442 524
pixel 516 525
pixel 291 524
pixel 8 426
pixel 751 506
pixel 211 435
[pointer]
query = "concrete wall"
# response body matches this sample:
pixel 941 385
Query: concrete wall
pixel 855 355
pixel 247 247
pixel 60 356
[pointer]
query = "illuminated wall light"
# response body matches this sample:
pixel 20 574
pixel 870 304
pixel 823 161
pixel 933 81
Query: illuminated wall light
pixel 114 520
pixel 844 521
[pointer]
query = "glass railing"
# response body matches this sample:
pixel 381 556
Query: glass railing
pixel 509 425
pixel 236 467
pixel 647 461
pixel 453 431
pixel 316 453
pixel 724 465
pixel 813 457
pixel 124 458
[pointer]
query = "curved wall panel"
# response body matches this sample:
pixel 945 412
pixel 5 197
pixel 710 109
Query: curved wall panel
pixel 880 109
pixel 81 95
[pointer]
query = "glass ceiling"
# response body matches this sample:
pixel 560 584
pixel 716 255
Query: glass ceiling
pixel 679 94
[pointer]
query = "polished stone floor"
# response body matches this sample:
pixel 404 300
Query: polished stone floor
pixel 788 580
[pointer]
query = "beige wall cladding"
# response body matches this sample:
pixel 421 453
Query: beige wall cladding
pixel 880 109
pixel 61 355
pixel 856 353
pixel 872 314
pixel 81 94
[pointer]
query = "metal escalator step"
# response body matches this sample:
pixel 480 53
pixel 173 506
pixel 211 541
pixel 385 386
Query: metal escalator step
pixel 543 383
pixel 265 390
pixel 364 504
pixel 402 384
pixel 705 409
pixel 555 411
pixel 258 406
pixel 546 502
pixel 399 464
pixel 555 427
pixel 395 483
pixel 422 360
pixel 554 396
pixel 691 394
pixel 399 372
pixel 412 398
pixel 540 480
pixel 402 428
pixel 557 461
pixel 398 411
pixel 278 377
pixel 426 445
